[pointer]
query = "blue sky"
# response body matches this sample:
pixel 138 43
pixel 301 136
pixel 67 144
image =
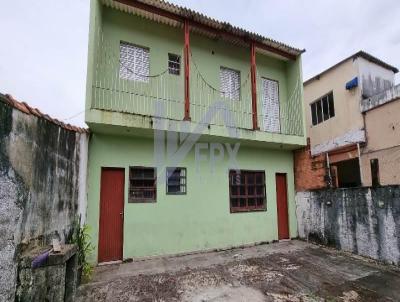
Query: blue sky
pixel 43 55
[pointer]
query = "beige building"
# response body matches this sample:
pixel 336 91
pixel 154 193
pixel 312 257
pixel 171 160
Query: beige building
pixel 353 121
pixel 382 129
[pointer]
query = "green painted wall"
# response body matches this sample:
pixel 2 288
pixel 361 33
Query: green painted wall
pixel 196 221
pixel 207 56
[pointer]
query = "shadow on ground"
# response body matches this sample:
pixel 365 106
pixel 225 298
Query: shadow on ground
pixel 287 271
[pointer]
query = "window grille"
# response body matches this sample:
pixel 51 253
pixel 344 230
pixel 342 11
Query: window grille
pixel 134 63
pixel 174 64
pixel 322 109
pixel 230 83
pixel 271 106
pixel 143 184
pixel 247 191
pixel 176 180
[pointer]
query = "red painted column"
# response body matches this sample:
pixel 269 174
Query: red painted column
pixel 253 85
pixel 187 71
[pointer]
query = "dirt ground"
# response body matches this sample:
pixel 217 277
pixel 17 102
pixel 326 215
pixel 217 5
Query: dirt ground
pixel 285 271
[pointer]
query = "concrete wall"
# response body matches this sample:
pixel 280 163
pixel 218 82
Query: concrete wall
pixel 345 127
pixel 364 221
pixel 373 78
pixel 199 220
pixel 40 193
pixel 381 98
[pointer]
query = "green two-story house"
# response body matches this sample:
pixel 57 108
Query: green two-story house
pixel 193 122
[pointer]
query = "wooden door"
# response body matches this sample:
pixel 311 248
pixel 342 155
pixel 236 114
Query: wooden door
pixel 282 205
pixel 111 214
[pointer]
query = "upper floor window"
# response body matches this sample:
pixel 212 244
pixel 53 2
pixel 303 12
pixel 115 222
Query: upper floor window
pixel 322 109
pixel 174 64
pixel 230 83
pixel 270 105
pixel 134 62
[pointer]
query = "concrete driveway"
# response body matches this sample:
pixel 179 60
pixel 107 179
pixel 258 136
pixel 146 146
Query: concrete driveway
pixel 285 271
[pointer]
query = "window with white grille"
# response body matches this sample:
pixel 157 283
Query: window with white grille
pixel 230 83
pixel 270 106
pixel 134 62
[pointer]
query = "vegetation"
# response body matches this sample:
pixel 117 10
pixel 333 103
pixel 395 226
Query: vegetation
pixel 82 239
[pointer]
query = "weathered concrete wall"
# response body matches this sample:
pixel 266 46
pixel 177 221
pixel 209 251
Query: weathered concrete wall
pixel 379 99
pixel 364 221
pixel 39 187
pixel 374 78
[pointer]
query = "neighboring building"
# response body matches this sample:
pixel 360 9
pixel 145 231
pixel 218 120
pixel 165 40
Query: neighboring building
pixel 164 80
pixel 380 158
pixel 342 127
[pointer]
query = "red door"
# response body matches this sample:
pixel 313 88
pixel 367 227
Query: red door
pixel 282 205
pixel 111 214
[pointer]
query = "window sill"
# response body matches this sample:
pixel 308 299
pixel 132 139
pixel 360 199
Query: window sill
pixel 178 193
pixel 142 201
pixel 237 210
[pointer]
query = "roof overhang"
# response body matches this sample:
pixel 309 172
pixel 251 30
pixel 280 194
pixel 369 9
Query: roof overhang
pixel 173 15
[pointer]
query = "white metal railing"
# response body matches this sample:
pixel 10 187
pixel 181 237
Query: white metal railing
pixel 112 93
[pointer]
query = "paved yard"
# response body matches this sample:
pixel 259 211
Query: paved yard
pixel 286 271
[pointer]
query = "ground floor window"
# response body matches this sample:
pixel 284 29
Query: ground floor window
pixel 247 190
pixel 142 184
pixel 176 180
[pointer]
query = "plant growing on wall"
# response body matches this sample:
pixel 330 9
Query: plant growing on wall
pixel 82 239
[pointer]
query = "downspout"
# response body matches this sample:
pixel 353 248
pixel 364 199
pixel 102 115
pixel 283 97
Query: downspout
pixel 329 169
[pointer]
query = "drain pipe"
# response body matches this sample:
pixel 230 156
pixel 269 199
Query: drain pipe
pixel 359 163
pixel 328 164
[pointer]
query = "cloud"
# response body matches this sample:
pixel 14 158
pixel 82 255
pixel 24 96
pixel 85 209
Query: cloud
pixel 44 49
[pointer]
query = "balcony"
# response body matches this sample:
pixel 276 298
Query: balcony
pixel 160 94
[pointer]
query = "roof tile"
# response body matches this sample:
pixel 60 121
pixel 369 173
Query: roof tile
pixel 25 108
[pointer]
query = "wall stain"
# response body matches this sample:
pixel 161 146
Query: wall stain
pixel 39 186
pixel 364 221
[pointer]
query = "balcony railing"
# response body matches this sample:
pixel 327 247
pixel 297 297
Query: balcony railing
pixel 162 95
pixel 112 93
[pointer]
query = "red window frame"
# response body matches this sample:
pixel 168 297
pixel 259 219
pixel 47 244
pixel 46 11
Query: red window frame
pixel 142 184
pixel 247 191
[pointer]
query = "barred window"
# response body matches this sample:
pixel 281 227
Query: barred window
pixel 176 180
pixel 247 191
pixel 134 62
pixel 174 64
pixel 322 109
pixel 230 83
pixel 143 184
